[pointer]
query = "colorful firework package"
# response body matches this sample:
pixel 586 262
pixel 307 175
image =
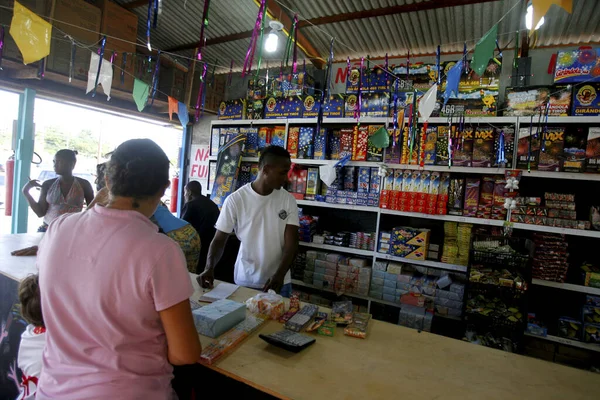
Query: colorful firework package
pixel 592 152
pixel 528 101
pixel 552 152
pixel 228 163
pixel 574 150
pixel 232 109
pixel 586 99
pixel 483 147
pixel 582 65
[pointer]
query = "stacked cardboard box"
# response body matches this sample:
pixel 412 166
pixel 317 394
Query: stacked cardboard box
pixel 415 191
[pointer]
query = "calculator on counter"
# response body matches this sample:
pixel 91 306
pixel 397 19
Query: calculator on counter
pixel 288 340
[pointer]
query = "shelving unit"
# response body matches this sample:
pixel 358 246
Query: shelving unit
pixel 340 249
pixel 382 213
pixel 568 342
pixel 567 286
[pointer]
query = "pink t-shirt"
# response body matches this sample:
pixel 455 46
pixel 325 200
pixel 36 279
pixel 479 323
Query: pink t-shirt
pixel 105 274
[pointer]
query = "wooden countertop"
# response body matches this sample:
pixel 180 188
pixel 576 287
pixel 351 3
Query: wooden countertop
pixel 392 362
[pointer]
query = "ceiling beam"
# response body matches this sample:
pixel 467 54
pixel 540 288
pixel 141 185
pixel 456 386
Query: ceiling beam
pixel 135 4
pixel 377 12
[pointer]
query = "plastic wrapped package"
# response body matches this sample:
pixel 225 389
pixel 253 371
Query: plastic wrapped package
pixel 358 327
pixel 269 304
pixel 230 339
pixel 341 312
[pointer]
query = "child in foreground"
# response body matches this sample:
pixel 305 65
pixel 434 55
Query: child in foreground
pixel 33 338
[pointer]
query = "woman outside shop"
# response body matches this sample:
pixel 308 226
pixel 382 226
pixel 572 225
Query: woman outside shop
pixel 118 290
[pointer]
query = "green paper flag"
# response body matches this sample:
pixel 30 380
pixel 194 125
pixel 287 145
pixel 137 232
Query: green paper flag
pixel 140 94
pixel 484 50
pixel 380 138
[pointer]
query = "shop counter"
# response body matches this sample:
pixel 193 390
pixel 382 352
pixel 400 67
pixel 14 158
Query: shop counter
pixel 392 362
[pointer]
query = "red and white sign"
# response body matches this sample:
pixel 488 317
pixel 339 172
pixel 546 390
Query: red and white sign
pixel 199 165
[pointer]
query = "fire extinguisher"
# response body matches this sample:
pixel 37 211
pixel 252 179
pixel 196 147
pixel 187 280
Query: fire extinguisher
pixel 174 189
pixel 10 175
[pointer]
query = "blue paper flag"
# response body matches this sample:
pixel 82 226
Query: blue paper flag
pixel 182 113
pixel 453 80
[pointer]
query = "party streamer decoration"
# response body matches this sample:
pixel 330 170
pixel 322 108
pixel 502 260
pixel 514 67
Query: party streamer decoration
pixel 123 65
pixel 99 73
pixel 484 50
pixel 541 7
pixel 200 91
pixel 295 59
pixel 530 138
pixel 31 34
pixel 183 115
pixel 148 25
pixel 230 75
pixel 1 45
pixel 253 40
pixel 450 153
pixel 422 153
pixel 202 27
pixel 141 90
pixel 41 68
pixel 325 94
pixel 415 123
pixel 72 60
pixel 288 43
pixel 155 78
pixel 173 106
pixel 155 23
pixel 260 47
pixel 395 113
pixel 453 80
pixel 427 102
pixel 359 95
pixel 545 130
pixel 516 56
pixel 438 71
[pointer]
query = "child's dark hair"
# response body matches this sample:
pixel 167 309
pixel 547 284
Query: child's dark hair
pixel 67 155
pixel 30 299
pixel 138 168
pixel 269 154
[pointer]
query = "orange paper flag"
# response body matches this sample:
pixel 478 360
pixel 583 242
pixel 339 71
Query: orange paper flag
pixel 541 7
pixel 173 107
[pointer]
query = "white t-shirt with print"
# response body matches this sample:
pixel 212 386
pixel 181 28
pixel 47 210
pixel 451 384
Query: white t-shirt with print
pixel 29 360
pixel 259 223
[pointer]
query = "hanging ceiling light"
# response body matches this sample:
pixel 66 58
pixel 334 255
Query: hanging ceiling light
pixel 273 38
pixel 529 19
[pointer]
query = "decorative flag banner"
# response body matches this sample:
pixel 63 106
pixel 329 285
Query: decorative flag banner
pixel 1 44
pixel 182 113
pixel 484 50
pixel 141 90
pixel 173 107
pixel 427 102
pixel 541 7
pixel 453 80
pixel 31 34
pixel 104 77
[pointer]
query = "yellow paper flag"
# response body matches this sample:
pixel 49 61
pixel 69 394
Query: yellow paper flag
pixel 541 7
pixel 31 33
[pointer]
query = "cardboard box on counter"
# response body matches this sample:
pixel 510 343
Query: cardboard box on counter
pixel 217 318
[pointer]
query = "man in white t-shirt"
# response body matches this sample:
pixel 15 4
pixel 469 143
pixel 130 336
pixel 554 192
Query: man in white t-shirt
pixel 264 217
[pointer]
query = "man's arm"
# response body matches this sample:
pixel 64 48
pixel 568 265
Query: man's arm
pixel 39 207
pixel 215 252
pixel 290 248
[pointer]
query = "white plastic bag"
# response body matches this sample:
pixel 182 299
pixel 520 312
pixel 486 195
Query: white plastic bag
pixel 269 304
pixel 328 174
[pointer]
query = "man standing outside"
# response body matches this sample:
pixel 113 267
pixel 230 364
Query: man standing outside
pixel 264 217
pixel 202 213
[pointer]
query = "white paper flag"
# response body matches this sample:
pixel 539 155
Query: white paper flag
pixel 106 75
pixel 427 103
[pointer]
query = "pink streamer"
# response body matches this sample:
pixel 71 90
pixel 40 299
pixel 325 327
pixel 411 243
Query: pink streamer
pixel 295 59
pixel 201 90
pixel 359 96
pixel 253 40
pixel 204 24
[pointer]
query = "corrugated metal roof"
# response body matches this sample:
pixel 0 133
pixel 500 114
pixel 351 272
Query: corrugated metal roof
pixel 420 32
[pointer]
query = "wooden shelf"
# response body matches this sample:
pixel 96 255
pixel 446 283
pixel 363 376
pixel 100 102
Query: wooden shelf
pixel 552 229
pixel 338 206
pixel 567 286
pixel 561 175
pixel 444 168
pixel 568 342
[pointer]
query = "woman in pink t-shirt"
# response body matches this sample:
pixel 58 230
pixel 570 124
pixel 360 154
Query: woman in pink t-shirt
pixel 116 292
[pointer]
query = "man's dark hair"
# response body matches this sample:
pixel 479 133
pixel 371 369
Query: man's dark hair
pixel 195 188
pixel 270 154
pixel 30 299
pixel 138 168
pixel 67 155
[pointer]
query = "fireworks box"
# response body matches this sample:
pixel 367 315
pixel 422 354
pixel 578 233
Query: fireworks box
pixel 284 107
pixel 310 106
pixel 463 152
pixel 483 147
pixel 592 152
pixel 527 156
pixel 335 107
pixel 586 99
pixel 360 143
pixel 550 157
pixel 574 152
pixel 278 136
pixel 320 144
pixel 232 109
pixel 251 148
pixel 306 142
pixel 529 100
pixel 577 65
pixel 290 84
pixel 292 144
pixel 372 105
pixel 372 81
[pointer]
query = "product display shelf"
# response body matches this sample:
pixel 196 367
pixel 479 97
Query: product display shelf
pixel 552 229
pixel 454 218
pixel 239 122
pixel 308 161
pixel 561 175
pixel 425 263
pixel 357 296
pixel 563 120
pixel 341 249
pixel 568 342
pixel 444 168
pixel 567 286
pixel 244 159
pixel 338 206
